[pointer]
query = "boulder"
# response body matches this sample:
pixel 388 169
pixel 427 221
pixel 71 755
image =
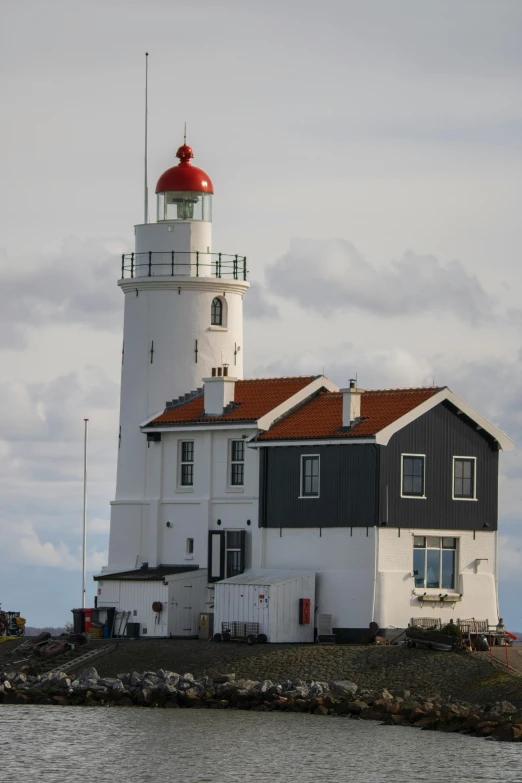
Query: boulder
pixel 502 708
pixel 223 678
pixel 88 674
pixel 342 689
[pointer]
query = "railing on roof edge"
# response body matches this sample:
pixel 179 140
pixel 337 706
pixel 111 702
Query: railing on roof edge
pixel 172 263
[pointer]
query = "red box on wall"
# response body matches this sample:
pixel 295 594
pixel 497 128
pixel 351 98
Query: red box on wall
pixel 87 619
pixel 304 611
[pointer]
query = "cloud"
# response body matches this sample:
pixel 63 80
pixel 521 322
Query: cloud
pixel 258 306
pixel 29 549
pixel 98 525
pixel 73 286
pixel 331 275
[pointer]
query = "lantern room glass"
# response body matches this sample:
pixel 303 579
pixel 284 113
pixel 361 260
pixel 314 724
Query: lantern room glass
pixel 184 205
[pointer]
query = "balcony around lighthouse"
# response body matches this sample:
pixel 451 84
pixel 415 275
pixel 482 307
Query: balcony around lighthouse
pixel 179 263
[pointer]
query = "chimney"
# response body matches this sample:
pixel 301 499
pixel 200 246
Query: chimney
pixel 218 391
pixel 351 404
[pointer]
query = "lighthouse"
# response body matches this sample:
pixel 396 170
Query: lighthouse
pixel 183 312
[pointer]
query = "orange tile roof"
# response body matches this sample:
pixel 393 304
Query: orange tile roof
pixel 253 399
pixel 322 417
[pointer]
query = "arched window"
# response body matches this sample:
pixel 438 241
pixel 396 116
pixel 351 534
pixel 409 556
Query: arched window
pixel 216 313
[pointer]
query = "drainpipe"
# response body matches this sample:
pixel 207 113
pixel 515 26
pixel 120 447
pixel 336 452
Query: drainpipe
pixel 496 574
pixel 376 555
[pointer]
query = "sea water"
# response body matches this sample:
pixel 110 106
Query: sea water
pixel 132 745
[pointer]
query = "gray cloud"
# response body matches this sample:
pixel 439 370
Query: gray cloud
pixel 328 275
pixel 76 285
pixel 257 304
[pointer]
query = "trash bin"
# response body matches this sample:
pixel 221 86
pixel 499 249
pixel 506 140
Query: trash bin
pixel 133 630
pixel 78 623
pixel 206 625
pixel 87 619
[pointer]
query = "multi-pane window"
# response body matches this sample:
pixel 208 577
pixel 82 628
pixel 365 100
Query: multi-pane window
pixel 434 561
pixel 187 463
pixel 310 477
pixel 412 475
pixel 237 463
pixel 463 477
pixel 234 553
pixel 216 312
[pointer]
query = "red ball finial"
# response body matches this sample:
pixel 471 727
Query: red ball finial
pixel 184 154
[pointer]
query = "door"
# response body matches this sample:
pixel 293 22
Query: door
pixel 188 623
pixel 181 609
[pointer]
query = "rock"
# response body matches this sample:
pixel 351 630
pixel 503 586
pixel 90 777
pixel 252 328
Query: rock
pixel 88 674
pixel 223 678
pixel 340 689
pixel 144 697
pixel 20 679
pixel 507 733
pixel 502 708
pixel 135 679
pixel 264 686
pixel 321 710
pixel 118 687
pixel 124 678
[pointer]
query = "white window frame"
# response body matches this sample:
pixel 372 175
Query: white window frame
pixel 235 487
pixel 185 487
pixel 231 548
pixel 414 497
pixel 189 549
pixel 425 549
pixel 301 477
pixel 471 459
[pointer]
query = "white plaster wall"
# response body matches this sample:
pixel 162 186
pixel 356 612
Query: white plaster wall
pixel 343 562
pixel 178 236
pixel 173 317
pixel 128 541
pixel 397 602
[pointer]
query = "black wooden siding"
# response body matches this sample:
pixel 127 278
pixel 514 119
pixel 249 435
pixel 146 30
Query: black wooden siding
pixel 348 487
pixel 440 434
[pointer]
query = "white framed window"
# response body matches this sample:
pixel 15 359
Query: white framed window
pixel 218 314
pixel 464 478
pixel 226 554
pixel 236 475
pixel 186 474
pixel 435 562
pixel 413 479
pixel 310 476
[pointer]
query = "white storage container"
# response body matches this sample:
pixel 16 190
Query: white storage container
pixel 268 597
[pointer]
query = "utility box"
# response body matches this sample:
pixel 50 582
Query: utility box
pixel 206 625
pixel 270 597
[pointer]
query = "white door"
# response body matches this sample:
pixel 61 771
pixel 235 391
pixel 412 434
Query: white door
pixel 182 620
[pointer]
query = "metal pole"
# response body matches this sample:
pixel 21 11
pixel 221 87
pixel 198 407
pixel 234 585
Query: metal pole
pixel 84 554
pixel 146 219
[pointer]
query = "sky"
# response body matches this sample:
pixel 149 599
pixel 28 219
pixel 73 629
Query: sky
pixel 366 158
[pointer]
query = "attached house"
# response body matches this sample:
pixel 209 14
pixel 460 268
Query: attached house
pixel 388 496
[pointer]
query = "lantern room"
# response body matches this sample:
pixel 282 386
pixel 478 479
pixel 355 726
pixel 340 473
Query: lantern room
pixel 184 192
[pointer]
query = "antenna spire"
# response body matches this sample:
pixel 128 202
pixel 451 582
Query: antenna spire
pixel 185 134
pixel 146 193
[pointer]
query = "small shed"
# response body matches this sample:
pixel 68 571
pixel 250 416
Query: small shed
pixel 282 602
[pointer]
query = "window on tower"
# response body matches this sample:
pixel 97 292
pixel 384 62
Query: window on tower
pixel 216 312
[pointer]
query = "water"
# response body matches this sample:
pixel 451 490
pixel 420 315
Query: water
pixel 125 745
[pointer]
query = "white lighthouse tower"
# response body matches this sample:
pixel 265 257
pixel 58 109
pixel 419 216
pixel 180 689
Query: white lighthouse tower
pixel 183 316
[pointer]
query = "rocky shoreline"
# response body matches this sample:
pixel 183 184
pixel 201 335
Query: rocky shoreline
pixel 501 721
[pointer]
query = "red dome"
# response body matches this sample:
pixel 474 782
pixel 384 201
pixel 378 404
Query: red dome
pixel 184 176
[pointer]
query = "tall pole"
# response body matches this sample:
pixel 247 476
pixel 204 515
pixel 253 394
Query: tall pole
pixel 84 554
pixel 146 220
